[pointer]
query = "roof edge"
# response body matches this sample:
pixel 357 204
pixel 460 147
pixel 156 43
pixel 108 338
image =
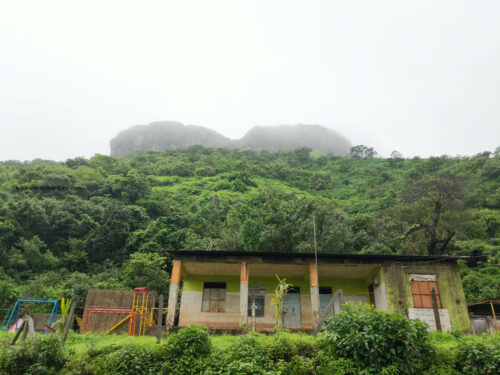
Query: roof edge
pixel 222 253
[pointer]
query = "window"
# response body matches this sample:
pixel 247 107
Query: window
pixel 257 292
pixel 325 290
pixel 421 291
pixel 214 297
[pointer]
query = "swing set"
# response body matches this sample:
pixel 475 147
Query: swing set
pixel 16 310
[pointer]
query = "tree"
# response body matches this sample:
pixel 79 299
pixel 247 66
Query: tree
pixel 432 205
pixel 362 152
pixel 146 269
pixel 396 160
pixel 250 234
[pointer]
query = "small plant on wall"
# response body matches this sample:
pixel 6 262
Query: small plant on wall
pixel 279 296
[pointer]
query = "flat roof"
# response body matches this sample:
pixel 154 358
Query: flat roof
pixel 283 256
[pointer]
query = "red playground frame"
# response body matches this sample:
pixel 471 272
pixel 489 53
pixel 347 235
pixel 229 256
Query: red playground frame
pixel 88 313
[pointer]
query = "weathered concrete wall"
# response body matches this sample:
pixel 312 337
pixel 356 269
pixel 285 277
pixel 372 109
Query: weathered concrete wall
pixel 191 313
pixel 399 296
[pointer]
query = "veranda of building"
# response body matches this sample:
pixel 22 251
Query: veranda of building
pixel 218 287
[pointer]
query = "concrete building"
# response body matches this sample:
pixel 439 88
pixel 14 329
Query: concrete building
pixel 218 287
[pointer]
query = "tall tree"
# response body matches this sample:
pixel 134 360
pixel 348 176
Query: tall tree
pixel 432 205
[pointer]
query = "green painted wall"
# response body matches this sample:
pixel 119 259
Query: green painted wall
pixel 350 287
pixel 356 287
pixel 399 297
pixel 194 283
pixel 272 282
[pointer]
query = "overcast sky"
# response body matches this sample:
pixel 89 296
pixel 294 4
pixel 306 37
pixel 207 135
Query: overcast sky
pixel 421 77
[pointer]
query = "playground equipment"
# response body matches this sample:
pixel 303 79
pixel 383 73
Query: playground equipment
pixel 16 310
pixel 89 313
pixel 141 311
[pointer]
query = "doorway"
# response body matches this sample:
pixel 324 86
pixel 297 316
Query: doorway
pixel 291 309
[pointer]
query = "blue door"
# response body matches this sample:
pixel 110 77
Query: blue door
pixel 291 309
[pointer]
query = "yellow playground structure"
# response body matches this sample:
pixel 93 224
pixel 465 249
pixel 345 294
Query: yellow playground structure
pixel 140 314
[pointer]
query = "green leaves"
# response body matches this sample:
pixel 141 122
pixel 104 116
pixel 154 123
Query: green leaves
pixel 376 339
pixel 146 269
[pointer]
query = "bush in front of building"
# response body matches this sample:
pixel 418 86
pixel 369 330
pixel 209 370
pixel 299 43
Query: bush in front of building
pixel 128 360
pixel 186 352
pixel 376 340
pixel 41 355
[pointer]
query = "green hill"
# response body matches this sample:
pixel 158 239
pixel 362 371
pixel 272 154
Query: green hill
pixel 68 226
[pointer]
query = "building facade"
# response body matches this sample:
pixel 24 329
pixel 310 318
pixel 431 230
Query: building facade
pixel 219 287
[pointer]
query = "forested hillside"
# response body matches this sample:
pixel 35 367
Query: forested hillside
pixel 109 222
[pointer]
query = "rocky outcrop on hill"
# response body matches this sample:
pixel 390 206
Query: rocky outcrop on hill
pixel 159 136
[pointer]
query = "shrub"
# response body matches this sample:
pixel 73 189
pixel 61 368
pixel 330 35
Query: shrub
pixel 327 364
pixel 478 358
pixel 376 339
pixel 248 353
pixel 441 370
pixel 42 355
pixel 129 360
pixel 191 340
pixel 298 365
pixel 185 352
pixel 280 348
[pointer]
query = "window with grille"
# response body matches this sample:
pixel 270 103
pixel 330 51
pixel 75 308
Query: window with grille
pixel 421 291
pixel 257 293
pixel 214 297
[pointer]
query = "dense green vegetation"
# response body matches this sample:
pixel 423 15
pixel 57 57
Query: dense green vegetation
pixel 108 222
pixel 356 341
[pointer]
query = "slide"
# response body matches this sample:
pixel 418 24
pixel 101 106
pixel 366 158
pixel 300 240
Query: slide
pixel 14 327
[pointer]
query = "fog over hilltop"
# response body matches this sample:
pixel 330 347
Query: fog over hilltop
pixel 159 136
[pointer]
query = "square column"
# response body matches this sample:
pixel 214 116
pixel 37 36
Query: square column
pixel 313 282
pixel 244 273
pixel 173 294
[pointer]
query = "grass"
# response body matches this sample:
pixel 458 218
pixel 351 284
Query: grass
pixel 449 341
pixel 81 343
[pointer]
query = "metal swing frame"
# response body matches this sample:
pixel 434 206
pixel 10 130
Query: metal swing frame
pixel 17 310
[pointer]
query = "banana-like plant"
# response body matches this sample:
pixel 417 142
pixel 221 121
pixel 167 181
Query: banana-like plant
pixel 65 305
pixel 279 296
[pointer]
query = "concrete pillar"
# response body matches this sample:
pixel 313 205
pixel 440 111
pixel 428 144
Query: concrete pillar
pixel 175 280
pixel 244 273
pixel 313 281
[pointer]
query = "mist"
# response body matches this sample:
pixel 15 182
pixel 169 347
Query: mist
pixel 418 77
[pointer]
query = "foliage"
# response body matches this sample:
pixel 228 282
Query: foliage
pixel 362 152
pixel 129 360
pixel 42 355
pixel 481 283
pixel 146 269
pixel 65 305
pixel 185 351
pixel 282 353
pixel 67 240
pixel 478 358
pixel 278 299
pixel 375 339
